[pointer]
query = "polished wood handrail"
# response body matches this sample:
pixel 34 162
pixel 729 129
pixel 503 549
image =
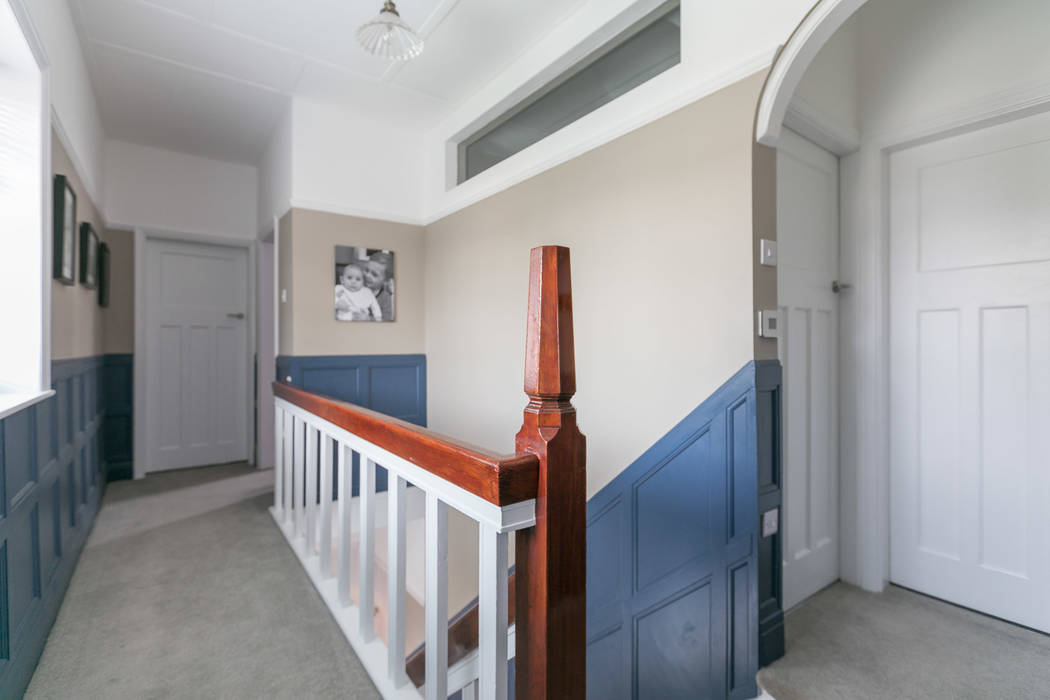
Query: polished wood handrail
pixel 499 479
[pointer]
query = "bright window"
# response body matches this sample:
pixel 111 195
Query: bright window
pixel 641 52
pixel 24 226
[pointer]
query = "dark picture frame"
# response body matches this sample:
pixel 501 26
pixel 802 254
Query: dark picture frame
pixel 103 275
pixel 65 231
pixel 89 242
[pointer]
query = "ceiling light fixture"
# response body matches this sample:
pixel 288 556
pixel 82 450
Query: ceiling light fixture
pixel 387 36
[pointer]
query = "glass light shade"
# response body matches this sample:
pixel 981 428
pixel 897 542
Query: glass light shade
pixel 387 36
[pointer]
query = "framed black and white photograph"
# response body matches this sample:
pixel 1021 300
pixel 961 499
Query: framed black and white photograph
pixel 103 275
pixel 88 256
pixel 364 284
pixel 65 233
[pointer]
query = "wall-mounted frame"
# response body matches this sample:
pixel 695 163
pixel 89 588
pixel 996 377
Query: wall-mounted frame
pixel 103 275
pixel 88 256
pixel 65 231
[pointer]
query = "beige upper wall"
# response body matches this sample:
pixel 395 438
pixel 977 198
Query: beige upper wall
pixel 307 271
pixel 119 316
pixel 660 226
pixel 76 318
pixel 286 321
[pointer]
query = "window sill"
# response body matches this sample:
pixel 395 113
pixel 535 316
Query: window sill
pixel 15 401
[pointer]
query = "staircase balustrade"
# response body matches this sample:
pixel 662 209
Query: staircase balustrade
pixel 539 493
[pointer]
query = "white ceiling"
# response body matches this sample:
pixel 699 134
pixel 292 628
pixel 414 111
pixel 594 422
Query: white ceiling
pixel 212 77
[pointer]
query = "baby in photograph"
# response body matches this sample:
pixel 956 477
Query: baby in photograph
pixel 353 300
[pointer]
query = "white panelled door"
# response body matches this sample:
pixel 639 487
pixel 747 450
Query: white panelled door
pixel 196 354
pixel 808 262
pixel 970 369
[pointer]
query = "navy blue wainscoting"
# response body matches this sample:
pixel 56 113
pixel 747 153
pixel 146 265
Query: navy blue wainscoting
pixel 117 396
pixel 50 483
pixel 770 558
pixel 672 568
pixel 392 384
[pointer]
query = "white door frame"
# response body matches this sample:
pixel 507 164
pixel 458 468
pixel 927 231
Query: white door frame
pixel 864 346
pixel 864 263
pixel 142 236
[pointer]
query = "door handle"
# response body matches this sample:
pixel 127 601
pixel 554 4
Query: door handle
pixel 239 314
pixel 837 287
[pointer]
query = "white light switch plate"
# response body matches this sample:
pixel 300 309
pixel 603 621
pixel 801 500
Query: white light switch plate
pixel 770 522
pixel 767 253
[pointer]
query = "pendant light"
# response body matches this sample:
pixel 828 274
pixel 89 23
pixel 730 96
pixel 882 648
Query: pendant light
pixel 387 36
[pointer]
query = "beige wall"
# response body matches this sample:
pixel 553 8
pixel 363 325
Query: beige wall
pixel 307 271
pixel 286 320
pixel 660 226
pixel 119 316
pixel 764 216
pixel 76 318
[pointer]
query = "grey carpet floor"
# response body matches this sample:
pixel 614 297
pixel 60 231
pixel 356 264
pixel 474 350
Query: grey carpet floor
pixel 847 643
pixel 186 589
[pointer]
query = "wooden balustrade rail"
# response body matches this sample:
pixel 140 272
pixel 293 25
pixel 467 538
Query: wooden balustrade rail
pixel 545 598
pixel 499 479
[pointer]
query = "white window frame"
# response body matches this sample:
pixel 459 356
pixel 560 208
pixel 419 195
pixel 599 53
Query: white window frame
pixel 17 398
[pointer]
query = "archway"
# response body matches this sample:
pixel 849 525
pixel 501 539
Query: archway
pixel 934 115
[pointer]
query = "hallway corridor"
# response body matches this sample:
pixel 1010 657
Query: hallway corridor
pixel 186 589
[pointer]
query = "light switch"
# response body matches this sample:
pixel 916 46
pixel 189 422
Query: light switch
pixel 770 522
pixel 768 324
pixel 767 253
pixel 284 296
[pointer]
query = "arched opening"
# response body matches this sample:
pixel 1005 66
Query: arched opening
pixel 912 161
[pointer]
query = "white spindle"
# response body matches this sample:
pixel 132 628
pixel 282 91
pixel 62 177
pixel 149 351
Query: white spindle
pixel 289 468
pixel 278 454
pixel 395 582
pixel 298 443
pixel 366 548
pixel 311 488
pixel 492 613
pixel 326 506
pixel 437 599
pixel 346 485
pixel 307 448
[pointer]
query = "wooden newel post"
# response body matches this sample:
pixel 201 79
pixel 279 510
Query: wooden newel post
pixel 551 565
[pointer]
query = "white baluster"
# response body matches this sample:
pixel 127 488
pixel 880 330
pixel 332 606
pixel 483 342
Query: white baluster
pixel 366 548
pixel 299 488
pixel 287 441
pixel 311 488
pixel 278 473
pixel 395 542
pixel 346 485
pixel 492 613
pixel 437 600
pixel 326 506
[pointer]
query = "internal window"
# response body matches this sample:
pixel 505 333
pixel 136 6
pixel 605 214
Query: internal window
pixel 643 51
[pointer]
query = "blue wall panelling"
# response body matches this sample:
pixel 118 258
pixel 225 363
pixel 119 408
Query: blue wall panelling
pixel 672 568
pixel 392 384
pixel 50 483
pixel 117 378
pixel 770 558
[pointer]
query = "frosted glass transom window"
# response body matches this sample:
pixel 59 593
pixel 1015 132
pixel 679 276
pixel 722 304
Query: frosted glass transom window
pixel 640 53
